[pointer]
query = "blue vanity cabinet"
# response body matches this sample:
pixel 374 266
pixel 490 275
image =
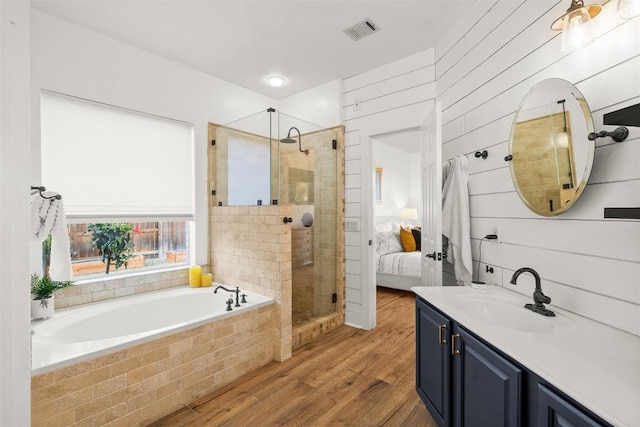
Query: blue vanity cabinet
pixel 462 381
pixel 433 332
pixel 488 389
pixel 556 411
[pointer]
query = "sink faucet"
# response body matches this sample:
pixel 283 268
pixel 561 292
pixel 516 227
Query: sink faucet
pixel 237 292
pixel 539 298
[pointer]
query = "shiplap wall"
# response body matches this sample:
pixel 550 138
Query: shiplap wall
pixel 484 67
pixel 395 96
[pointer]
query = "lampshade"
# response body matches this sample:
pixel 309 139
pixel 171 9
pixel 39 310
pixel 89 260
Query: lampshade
pixel 408 214
pixel 576 26
pixel 628 9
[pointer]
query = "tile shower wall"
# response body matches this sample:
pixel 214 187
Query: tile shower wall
pixel 141 384
pixel 251 249
pixel 484 67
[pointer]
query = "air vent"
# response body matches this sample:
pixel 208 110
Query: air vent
pixel 362 29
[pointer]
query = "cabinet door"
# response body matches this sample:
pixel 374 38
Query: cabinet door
pixel 554 410
pixel 487 388
pixel 432 361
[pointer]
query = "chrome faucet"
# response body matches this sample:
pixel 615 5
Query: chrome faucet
pixel 539 298
pixel 237 292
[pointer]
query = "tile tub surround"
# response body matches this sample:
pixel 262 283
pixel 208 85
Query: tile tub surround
pixel 81 333
pixel 251 248
pixel 145 382
pixel 87 292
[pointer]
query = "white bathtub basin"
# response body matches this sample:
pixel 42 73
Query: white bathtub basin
pixel 92 330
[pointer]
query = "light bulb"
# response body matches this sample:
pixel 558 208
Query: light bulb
pixel 577 30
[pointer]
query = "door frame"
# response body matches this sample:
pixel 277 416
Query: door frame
pixel 369 308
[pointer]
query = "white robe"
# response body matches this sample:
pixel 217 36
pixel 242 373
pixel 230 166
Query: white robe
pixel 456 225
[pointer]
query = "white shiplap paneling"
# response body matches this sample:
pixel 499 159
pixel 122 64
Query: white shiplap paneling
pixel 589 265
pixel 392 97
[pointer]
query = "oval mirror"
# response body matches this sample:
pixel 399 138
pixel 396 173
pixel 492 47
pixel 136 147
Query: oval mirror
pixel 551 155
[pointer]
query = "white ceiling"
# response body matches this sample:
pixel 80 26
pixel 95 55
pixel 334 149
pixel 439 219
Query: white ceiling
pixel 244 41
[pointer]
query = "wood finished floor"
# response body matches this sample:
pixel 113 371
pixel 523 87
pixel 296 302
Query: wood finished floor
pixel 348 377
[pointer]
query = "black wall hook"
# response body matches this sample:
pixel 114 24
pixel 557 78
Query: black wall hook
pixel 508 158
pixel 618 135
pixel 287 219
pixel 484 154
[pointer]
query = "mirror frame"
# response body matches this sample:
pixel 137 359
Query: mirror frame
pixel 590 145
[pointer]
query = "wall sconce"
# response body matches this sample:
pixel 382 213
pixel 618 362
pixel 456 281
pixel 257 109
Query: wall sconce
pixel 628 9
pixel 576 26
pixel 618 135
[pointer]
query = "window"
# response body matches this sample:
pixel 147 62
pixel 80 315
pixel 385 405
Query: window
pixel 378 184
pixel 151 245
pixel 119 171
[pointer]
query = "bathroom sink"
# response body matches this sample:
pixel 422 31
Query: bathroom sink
pixel 509 314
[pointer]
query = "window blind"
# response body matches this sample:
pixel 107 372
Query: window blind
pixel 114 164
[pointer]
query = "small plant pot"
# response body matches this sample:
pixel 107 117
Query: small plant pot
pixel 42 308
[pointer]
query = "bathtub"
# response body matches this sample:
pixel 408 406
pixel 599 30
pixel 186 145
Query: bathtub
pixel 80 333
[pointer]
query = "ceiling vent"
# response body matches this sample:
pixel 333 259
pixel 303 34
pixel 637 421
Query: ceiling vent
pixel 361 29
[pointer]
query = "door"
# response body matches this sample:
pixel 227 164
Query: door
pixel 431 167
pixel 487 389
pixel 432 361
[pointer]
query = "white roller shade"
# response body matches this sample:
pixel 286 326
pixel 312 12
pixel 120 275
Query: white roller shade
pixel 114 164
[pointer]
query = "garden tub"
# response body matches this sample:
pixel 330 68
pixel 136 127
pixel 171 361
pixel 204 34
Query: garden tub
pixel 80 333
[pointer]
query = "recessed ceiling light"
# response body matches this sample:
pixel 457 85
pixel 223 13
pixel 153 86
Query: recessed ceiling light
pixel 276 80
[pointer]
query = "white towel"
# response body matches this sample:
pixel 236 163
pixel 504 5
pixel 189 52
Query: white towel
pixel 456 225
pixel 48 217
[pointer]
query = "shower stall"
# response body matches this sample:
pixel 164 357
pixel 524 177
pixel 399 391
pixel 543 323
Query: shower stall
pixel 272 158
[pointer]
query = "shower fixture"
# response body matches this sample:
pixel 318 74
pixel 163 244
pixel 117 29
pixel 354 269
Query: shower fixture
pixel 289 140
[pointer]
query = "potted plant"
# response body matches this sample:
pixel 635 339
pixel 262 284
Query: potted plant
pixel 42 289
pixel 113 242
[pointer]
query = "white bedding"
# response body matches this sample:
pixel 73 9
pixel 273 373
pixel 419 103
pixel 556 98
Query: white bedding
pixel 401 263
pixel 399 270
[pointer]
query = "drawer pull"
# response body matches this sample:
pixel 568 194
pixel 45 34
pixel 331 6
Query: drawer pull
pixel 440 328
pixel 454 352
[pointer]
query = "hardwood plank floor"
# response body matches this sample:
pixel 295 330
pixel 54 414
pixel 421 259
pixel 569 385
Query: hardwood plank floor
pixel 348 377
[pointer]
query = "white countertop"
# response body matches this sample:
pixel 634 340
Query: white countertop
pixel 596 365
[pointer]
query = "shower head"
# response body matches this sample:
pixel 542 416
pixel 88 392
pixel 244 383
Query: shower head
pixel 289 140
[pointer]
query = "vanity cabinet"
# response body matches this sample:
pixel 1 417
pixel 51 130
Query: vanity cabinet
pixel 463 381
pixel 433 357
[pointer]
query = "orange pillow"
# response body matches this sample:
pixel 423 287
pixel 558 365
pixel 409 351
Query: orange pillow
pixel 406 240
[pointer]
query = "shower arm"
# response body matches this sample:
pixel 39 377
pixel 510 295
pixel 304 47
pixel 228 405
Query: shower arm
pixel 299 139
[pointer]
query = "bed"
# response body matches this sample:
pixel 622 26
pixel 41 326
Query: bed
pixel 395 267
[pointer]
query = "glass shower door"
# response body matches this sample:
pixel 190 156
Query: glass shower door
pixel 308 185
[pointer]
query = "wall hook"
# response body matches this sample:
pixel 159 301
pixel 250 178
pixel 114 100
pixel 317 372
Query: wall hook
pixel 508 158
pixel 483 154
pixel 618 135
pixel 287 219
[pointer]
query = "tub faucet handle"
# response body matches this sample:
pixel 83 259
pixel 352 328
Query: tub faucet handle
pixel 229 302
pixel 244 298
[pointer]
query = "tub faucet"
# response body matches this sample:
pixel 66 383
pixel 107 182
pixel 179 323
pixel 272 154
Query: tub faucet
pixel 539 298
pixel 237 292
